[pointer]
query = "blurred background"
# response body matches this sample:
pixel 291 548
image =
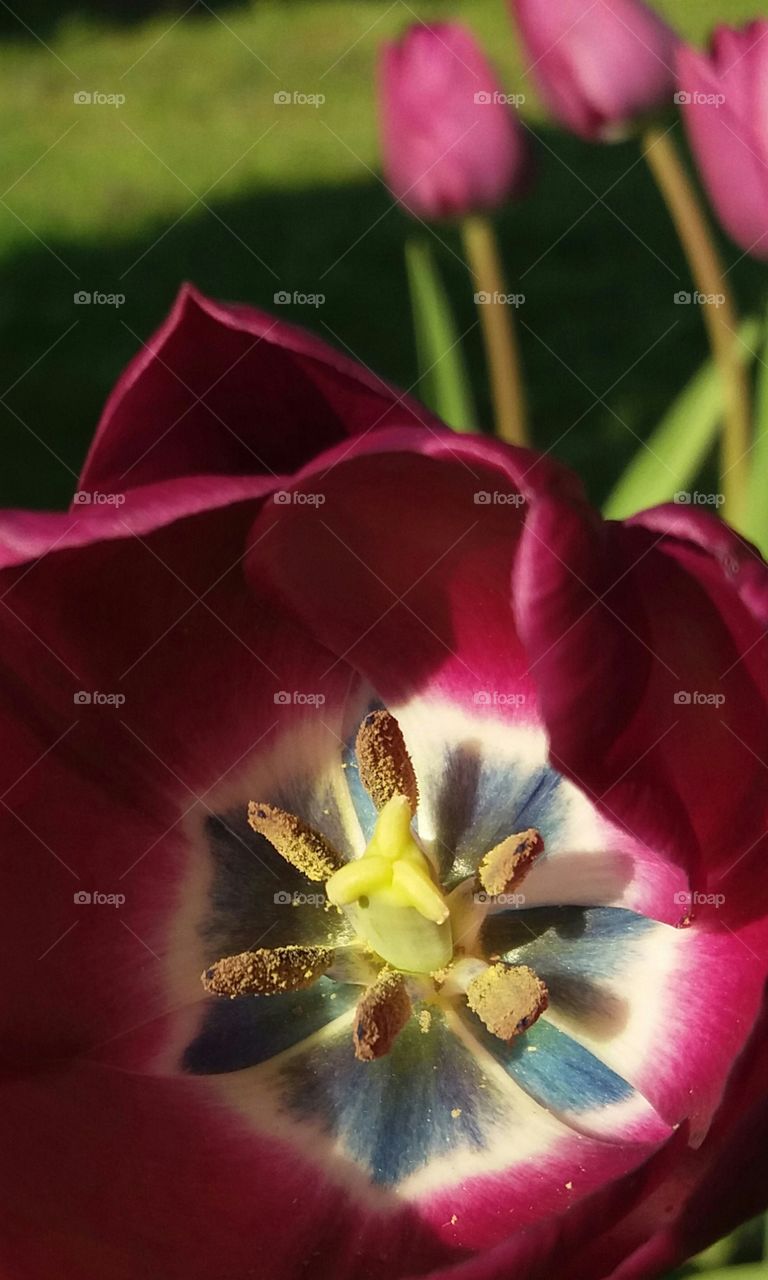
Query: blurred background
pixel 199 174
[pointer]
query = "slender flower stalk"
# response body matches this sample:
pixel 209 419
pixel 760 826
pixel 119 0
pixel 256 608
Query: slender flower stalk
pixel 721 320
pixel 499 335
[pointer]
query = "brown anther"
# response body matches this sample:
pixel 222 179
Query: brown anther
pixel 381 1015
pixel 382 757
pixel 507 999
pixel 267 972
pixel 507 865
pixel 299 844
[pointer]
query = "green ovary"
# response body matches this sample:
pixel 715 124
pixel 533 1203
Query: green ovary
pixel 391 899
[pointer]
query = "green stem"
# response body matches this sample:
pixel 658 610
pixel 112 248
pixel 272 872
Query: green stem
pixel 499 334
pixel 721 321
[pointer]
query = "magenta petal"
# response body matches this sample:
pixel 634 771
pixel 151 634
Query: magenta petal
pixel 120 1176
pixel 726 113
pixel 229 389
pixel 112 797
pixel 638 644
pixel 451 142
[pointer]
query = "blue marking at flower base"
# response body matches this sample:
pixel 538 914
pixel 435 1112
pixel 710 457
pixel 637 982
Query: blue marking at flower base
pixel 395 1115
pixel 252 1029
pixel 554 1069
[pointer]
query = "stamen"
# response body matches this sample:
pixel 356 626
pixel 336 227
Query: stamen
pixel 382 756
pixel 300 845
pixel 507 865
pixel 381 1015
pixel 507 999
pixel 267 972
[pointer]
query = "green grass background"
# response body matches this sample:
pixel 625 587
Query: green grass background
pixel 105 198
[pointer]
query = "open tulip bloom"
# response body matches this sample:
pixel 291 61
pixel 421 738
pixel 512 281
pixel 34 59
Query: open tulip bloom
pixel 452 793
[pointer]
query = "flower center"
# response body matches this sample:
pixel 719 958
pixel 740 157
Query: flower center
pixel 390 896
pixel 407 931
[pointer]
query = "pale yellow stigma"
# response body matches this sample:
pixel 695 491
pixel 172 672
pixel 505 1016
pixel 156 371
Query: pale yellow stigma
pixel 391 898
pixel 392 861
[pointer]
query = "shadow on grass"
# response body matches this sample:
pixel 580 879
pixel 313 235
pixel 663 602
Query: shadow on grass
pixel 605 346
pixel 27 19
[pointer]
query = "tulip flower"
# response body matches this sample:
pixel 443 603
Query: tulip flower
pixel 454 796
pixel 451 143
pixel 720 93
pixel 452 147
pixel 598 66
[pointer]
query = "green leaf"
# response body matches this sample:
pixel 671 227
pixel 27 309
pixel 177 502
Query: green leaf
pixel 755 522
pixel 752 1271
pixel 673 454
pixel 443 382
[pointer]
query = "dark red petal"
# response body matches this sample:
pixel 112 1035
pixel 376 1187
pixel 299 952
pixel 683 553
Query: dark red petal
pixel 229 389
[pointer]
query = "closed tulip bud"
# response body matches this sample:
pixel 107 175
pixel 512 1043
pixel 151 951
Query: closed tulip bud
pixel 598 66
pixel 451 142
pixel 725 107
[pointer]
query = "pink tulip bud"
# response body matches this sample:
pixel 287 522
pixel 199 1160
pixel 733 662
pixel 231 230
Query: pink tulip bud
pixel 724 97
pixel 598 64
pixel 451 142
